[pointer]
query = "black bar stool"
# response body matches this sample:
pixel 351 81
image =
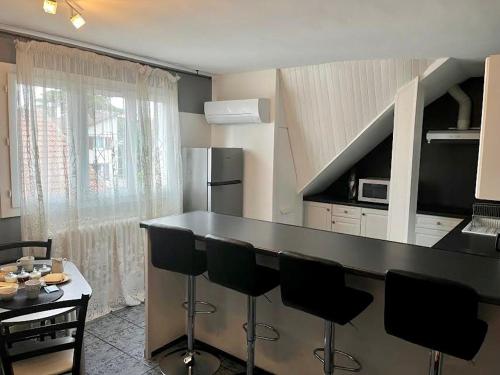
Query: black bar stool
pixel 233 265
pixel 173 249
pixel 318 287
pixel 435 313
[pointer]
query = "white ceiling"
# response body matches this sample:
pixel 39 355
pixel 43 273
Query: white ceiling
pixel 221 36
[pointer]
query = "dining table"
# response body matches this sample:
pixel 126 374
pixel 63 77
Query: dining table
pixel 74 288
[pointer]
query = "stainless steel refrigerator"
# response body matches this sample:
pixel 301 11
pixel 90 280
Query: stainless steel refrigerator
pixel 213 180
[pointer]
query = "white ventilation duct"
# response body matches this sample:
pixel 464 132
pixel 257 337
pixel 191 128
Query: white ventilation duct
pixel 462 132
pixel 464 106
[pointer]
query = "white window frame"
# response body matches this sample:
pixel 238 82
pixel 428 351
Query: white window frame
pixel 15 183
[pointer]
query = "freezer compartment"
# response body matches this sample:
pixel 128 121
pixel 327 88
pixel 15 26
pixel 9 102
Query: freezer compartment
pixel 226 199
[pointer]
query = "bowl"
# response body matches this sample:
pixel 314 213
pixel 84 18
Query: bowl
pixel 8 269
pixel 8 293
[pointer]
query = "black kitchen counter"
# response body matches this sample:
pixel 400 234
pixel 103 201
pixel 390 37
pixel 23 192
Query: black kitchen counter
pixel 468 243
pixel 325 198
pixel 424 210
pixel 360 255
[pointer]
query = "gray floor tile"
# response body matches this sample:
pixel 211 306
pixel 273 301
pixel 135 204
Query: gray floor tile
pixel 134 314
pixel 129 340
pixel 154 371
pixel 97 352
pixel 107 325
pixel 122 364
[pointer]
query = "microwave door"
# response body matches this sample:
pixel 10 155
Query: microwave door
pixel 374 192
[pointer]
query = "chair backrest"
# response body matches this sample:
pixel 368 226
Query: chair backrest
pixel 306 282
pixel 173 249
pixel 22 244
pixel 10 353
pixel 430 311
pixel 232 264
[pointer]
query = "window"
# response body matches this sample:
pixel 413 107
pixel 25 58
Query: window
pixel 106 139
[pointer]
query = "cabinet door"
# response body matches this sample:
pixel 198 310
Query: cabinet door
pixel 345 225
pixel 488 178
pixel 428 240
pixel 428 237
pixel 317 215
pixel 374 223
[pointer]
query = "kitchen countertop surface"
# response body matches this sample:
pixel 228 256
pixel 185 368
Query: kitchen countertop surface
pixel 468 243
pixel 424 210
pixel 360 255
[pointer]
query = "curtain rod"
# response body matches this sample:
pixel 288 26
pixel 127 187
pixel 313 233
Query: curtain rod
pixel 43 37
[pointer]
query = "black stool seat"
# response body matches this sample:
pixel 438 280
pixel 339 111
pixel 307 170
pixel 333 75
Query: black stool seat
pixel 232 264
pixel 318 288
pixel 174 250
pixel 435 313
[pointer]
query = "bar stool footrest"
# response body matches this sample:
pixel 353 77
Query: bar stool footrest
pixel 357 365
pixel 210 310
pixel 276 336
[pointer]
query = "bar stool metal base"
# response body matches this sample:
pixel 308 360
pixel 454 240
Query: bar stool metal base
pixel 203 363
pixel 435 363
pixel 329 351
pixel 357 366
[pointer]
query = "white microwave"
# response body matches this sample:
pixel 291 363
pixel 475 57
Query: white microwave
pixel 374 190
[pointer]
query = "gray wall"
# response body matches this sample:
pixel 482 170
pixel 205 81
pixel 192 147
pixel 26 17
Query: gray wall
pixel 193 92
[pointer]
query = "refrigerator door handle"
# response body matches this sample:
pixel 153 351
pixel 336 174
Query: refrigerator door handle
pixel 232 182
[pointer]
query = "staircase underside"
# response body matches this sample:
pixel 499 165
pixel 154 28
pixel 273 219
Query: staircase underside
pixel 436 80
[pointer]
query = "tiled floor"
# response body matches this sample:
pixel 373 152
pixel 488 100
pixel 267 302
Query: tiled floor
pixel 114 344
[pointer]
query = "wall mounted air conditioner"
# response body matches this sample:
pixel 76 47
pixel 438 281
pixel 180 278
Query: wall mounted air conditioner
pixel 229 112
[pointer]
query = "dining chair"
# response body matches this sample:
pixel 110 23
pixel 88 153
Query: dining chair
pixel 22 354
pixel 47 245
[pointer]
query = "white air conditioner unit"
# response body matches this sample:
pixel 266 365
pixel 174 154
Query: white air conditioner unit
pixel 227 112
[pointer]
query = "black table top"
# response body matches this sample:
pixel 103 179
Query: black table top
pixel 468 243
pixel 359 255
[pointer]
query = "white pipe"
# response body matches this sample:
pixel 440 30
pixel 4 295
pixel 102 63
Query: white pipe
pixel 465 107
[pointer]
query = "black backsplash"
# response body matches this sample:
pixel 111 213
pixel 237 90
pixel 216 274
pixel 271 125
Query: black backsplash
pixel 447 170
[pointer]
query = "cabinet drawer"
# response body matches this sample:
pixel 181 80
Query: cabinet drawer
pixel 437 222
pixel 346 225
pixel 346 211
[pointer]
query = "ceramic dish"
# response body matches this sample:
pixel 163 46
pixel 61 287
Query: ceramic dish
pixel 8 269
pixel 55 279
pixel 8 292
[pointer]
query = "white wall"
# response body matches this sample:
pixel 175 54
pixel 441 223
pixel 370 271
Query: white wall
pixel 257 140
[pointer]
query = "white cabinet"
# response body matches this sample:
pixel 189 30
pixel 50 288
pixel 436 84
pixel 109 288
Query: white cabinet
pixel 488 176
pixel 374 223
pixel 318 215
pixel 345 225
pixel 431 229
pixel 346 219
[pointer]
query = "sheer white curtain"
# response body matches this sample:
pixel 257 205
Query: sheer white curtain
pixel 99 151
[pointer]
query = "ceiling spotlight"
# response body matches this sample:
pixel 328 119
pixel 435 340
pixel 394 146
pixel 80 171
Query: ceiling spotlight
pixel 77 20
pixel 50 6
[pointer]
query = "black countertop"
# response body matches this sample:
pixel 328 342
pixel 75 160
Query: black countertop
pixel 468 243
pixel 325 198
pixel 425 210
pixel 360 255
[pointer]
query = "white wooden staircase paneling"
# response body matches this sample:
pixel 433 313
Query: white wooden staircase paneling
pixel 337 112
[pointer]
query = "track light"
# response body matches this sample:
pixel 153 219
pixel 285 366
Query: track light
pixel 77 20
pixel 50 6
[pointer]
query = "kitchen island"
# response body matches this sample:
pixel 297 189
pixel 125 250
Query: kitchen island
pixel 365 259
